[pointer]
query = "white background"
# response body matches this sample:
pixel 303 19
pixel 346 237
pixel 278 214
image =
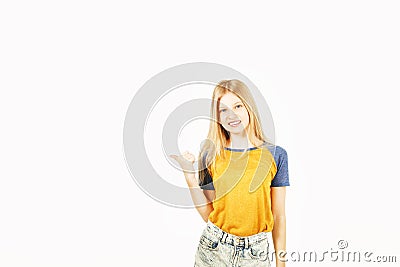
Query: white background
pixel 329 71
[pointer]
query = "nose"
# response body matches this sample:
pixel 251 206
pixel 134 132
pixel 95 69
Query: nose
pixel 232 116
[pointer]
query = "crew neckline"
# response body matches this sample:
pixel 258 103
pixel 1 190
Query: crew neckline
pixel 244 149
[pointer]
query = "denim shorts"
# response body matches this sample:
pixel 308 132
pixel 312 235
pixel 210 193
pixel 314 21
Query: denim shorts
pixel 218 248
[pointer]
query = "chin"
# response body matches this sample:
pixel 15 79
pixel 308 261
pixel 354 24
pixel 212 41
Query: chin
pixel 236 131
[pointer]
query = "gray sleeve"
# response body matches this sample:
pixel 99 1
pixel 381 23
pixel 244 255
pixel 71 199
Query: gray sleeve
pixel 282 175
pixel 208 182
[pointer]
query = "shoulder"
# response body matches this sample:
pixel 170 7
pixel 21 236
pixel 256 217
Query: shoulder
pixel 279 149
pixel 278 152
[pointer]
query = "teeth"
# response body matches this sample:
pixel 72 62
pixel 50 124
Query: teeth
pixel 234 123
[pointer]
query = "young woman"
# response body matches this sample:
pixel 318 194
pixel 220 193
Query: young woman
pixel 240 189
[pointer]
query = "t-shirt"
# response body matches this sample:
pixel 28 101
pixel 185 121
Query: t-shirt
pixel 242 184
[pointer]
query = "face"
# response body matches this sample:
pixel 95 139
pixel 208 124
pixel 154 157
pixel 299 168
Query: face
pixel 233 115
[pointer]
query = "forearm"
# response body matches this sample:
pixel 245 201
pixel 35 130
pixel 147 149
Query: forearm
pixel 279 239
pixel 203 206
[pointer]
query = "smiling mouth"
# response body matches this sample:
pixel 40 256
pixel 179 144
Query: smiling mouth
pixel 234 123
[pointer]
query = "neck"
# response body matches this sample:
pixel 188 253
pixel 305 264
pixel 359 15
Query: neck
pixel 241 141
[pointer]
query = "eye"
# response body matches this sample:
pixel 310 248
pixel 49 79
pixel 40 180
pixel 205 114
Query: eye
pixel 240 105
pixel 222 110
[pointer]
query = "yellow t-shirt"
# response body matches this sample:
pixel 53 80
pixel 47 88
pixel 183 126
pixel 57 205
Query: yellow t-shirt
pixel 242 183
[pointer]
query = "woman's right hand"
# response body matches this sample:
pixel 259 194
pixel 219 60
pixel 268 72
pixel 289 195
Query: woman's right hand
pixel 185 160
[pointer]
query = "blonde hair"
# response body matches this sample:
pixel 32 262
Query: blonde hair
pixel 218 137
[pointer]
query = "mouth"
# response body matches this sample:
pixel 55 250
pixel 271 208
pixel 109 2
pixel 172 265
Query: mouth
pixel 234 123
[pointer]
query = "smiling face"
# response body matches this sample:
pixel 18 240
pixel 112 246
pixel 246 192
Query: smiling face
pixel 233 114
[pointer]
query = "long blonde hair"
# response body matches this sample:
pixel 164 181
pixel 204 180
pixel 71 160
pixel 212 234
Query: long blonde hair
pixel 218 137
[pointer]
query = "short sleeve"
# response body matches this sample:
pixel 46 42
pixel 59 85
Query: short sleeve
pixel 208 182
pixel 282 175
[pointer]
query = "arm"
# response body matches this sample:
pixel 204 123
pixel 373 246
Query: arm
pixel 210 194
pixel 201 200
pixel 278 195
pixel 200 197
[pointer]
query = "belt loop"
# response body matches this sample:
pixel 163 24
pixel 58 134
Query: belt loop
pixel 222 237
pixel 226 235
pixel 246 243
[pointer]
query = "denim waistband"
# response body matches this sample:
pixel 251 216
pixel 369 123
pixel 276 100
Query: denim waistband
pixel 225 237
